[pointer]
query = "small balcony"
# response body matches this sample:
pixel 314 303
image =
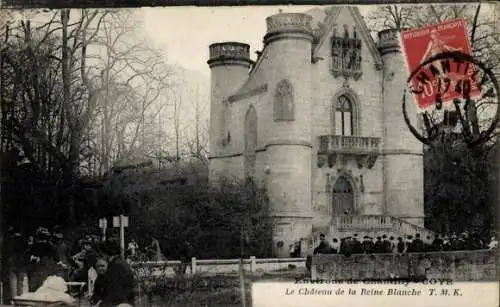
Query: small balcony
pixel 350 145
pixel 365 150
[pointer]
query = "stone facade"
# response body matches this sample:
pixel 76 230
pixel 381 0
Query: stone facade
pixel 316 119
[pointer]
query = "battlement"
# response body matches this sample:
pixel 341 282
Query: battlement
pixel 229 53
pixel 388 41
pixel 288 24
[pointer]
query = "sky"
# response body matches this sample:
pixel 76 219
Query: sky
pixel 185 33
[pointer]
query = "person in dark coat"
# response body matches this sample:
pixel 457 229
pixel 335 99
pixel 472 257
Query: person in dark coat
pixel 401 245
pixel 378 248
pixel 15 250
pixel 387 245
pixel 101 281
pixel 437 244
pixel 357 248
pixel 323 246
pixel 120 282
pixel 186 255
pixel 335 247
pixel 43 260
pixel 85 259
pixel 417 244
pixel 367 245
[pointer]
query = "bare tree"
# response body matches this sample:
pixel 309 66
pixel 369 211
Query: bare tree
pixel 132 77
pixel 393 17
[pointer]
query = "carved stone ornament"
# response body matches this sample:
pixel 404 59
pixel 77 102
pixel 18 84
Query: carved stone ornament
pixel 361 160
pixel 289 21
pixel 332 158
pixel 321 160
pixel 371 161
pixel 344 159
pixel 361 184
pixel 229 50
pixel 329 182
pixel 346 55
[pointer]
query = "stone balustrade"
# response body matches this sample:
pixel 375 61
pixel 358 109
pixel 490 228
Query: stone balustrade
pixel 348 144
pixel 371 225
pixel 229 50
pixel 289 22
pixel 377 225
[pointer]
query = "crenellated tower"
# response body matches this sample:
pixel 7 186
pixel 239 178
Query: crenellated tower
pixel 229 63
pixel 403 153
pixel 288 43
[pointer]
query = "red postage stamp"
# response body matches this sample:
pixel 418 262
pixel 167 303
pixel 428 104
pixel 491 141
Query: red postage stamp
pixel 446 78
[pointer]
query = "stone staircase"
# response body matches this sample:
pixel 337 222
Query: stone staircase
pixel 369 225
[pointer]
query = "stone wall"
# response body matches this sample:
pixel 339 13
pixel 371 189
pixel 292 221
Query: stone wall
pixel 480 265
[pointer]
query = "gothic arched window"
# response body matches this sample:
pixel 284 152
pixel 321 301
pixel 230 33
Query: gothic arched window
pixel 344 116
pixel 250 142
pixel 284 107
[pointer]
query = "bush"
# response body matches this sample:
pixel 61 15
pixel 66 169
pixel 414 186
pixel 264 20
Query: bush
pixel 177 205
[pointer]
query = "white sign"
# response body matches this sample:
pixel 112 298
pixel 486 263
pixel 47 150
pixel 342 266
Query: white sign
pixel 103 223
pixel 116 221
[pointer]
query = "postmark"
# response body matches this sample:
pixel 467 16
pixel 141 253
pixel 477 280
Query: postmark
pixel 456 95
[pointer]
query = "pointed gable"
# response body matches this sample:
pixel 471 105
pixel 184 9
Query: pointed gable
pixel 326 27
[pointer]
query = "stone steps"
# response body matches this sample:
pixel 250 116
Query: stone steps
pixel 369 225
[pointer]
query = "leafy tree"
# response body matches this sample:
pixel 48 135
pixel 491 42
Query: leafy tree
pixel 458 188
pixel 177 203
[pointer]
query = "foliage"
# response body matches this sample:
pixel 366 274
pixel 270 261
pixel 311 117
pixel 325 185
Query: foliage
pixel 69 78
pixel 177 204
pixel 458 188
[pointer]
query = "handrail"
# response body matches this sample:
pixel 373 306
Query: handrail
pixel 216 261
pixel 328 143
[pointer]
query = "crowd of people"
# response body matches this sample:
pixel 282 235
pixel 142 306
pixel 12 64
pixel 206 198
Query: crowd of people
pixel 410 244
pixel 33 259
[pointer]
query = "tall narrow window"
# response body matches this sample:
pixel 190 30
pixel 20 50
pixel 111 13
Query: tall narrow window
pixel 250 154
pixel 284 107
pixel 343 116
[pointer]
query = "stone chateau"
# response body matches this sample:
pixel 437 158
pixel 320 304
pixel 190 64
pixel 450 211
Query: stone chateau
pixel 317 119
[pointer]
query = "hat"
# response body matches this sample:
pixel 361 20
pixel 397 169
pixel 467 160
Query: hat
pixel 86 242
pixel 42 231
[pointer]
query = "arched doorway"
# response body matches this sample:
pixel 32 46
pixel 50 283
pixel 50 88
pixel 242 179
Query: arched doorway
pixel 343 197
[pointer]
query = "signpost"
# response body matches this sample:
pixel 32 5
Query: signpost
pixel 103 224
pixel 122 222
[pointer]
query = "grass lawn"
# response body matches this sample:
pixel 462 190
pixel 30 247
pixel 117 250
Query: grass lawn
pixel 210 291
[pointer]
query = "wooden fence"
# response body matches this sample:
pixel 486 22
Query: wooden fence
pixel 219 266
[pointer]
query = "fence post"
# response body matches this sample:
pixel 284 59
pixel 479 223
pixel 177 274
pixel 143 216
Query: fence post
pixel 253 264
pixel 193 265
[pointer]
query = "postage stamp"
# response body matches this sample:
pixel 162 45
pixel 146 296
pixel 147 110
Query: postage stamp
pixel 447 78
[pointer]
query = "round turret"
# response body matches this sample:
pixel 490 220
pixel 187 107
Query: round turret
pixel 229 53
pixel 284 25
pixel 403 152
